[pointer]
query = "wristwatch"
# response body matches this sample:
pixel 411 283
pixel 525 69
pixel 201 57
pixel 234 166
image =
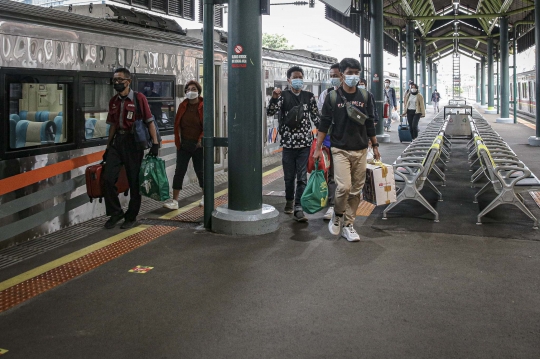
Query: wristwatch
pixel 375 144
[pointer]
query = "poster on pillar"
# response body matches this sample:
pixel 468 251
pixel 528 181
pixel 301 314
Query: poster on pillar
pixel 238 59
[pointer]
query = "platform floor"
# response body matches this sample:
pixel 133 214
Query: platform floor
pixel 296 293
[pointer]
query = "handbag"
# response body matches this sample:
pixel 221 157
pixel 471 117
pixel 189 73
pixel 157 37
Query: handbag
pixel 353 112
pixel 140 128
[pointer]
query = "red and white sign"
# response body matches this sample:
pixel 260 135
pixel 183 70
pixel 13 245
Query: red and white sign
pixel 238 49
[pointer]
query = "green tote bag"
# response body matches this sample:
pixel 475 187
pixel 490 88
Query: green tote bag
pixel 153 179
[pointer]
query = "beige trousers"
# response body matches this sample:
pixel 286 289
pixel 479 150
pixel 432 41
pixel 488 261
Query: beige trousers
pixel 350 176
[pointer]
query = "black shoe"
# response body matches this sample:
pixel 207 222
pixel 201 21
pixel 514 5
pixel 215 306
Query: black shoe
pixel 289 207
pixel 300 216
pixel 113 220
pixel 129 224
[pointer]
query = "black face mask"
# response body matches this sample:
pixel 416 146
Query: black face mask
pixel 119 87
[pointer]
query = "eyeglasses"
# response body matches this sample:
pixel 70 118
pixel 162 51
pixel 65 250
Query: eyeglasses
pixel 117 80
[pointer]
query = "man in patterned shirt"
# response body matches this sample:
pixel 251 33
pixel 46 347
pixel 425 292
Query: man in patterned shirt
pixel 296 141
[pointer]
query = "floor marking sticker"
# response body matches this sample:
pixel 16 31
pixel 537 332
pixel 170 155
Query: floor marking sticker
pixel 3 351
pixel 141 269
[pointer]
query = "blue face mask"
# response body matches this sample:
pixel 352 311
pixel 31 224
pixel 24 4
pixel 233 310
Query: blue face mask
pixel 297 84
pixel 335 81
pixel 362 87
pixel 352 80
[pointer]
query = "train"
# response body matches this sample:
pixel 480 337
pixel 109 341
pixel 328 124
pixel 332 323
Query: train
pixel 55 74
pixel 526 93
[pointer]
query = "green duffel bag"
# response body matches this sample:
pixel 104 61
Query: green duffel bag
pixel 153 179
pixel 315 195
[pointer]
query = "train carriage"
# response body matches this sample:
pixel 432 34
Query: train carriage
pixel 55 73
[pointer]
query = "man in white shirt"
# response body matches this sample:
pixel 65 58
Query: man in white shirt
pixel 335 79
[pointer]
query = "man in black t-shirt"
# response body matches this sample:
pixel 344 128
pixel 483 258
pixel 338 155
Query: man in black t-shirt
pixel 349 141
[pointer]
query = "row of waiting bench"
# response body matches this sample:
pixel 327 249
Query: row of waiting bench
pixel 489 154
pixel 495 161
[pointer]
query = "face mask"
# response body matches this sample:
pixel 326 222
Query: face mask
pixel 119 87
pixel 362 87
pixel 335 81
pixel 147 89
pixel 386 85
pixel 192 95
pixel 352 80
pixel 414 91
pixel 297 84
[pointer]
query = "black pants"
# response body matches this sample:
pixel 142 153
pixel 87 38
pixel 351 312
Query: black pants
pixel 413 118
pixel 295 169
pixel 123 151
pixel 183 155
pixel 331 183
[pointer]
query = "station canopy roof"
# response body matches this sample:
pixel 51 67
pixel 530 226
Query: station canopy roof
pixel 449 26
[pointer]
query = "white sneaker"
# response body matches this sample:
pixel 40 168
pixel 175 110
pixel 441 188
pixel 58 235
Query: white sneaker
pixel 171 204
pixel 329 213
pixel 201 203
pixel 350 233
pixel 334 226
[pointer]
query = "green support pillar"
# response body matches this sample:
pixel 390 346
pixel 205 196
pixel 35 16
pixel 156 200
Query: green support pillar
pixel 435 77
pixel 535 140
pixel 491 77
pixel 504 74
pixel 377 62
pixel 483 82
pixel 477 82
pixel 362 34
pixel 208 111
pixel 514 87
pixel 400 73
pixel 423 82
pixel 245 213
pixel 410 51
pixel 429 90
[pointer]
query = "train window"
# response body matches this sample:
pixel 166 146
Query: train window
pixel 525 92
pixel 96 93
pixel 160 95
pixel 38 113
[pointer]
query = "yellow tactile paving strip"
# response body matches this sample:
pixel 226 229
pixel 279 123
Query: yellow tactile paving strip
pixel 194 212
pixel 527 123
pixel 19 289
pixel 536 196
pixel 365 209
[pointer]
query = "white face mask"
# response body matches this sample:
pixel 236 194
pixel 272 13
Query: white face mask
pixel 192 95
pixel 387 85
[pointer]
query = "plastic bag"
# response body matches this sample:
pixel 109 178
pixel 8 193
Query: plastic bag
pixel 153 179
pixel 315 195
pixel 395 116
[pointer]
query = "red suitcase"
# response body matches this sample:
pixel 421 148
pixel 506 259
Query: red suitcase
pixel 94 182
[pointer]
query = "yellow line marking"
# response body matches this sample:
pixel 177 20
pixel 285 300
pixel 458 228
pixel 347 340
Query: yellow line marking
pixel 526 123
pixel 187 207
pixel 69 258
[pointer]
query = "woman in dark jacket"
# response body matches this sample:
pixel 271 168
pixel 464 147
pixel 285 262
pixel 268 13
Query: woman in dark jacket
pixel 188 133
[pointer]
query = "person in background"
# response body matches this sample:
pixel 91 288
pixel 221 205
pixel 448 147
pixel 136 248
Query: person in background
pixel 335 79
pixel 188 133
pixel 415 109
pixel 296 141
pixel 122 150
pixel 349 142
pixel 391 102
pixel 155 106
pixel 435 98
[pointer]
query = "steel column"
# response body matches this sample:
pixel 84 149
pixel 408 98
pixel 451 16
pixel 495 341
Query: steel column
pixel 478 82
pixel 435 76
pixel 362 34
pixel 483 81
pixel 514 88
pixel 208 111
pixel 400 73
pixel 245 117
pixel 410 51
pixel 491 92
pixel 423 81
pixel 429 90
pixel 377 57
pixel 535 141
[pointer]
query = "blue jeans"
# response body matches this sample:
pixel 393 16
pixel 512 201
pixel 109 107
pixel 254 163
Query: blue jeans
pixel 295 169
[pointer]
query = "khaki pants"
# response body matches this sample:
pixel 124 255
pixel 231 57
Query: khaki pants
pixel 350 176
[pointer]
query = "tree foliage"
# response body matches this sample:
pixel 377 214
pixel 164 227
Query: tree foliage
pixel 276 42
